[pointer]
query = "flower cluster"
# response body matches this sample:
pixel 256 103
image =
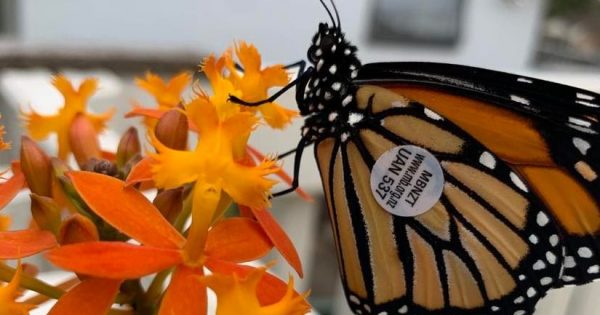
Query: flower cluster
pixel 208 219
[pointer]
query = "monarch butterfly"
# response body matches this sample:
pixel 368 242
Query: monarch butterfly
pixel 515 160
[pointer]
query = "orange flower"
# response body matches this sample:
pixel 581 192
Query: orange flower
pixel 9 293
pixel 3 145
pixel 255 83
pixel 214 168
pixel 75 102
pixel 231 240
pixel 235 294
pixel 166 94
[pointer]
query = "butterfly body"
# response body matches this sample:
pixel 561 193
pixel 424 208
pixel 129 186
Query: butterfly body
pixel 518 214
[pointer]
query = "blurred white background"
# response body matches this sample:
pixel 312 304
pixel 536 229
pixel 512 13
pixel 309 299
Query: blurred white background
pixel 117 40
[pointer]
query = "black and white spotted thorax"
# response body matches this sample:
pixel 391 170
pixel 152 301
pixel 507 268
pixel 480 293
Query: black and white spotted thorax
pixel 326 96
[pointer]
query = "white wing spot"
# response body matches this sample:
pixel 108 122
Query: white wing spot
pixel 553 240
pixel 551 258
pixel 539 265
pixel 570 262
pixel 585 252
pixel 579 122
pixel 519 300
pixel 336 86
pixel 354 299
pixel 567 278
pixel 347 100
pixel 546 281
pixel 487 160
pixel 344 136
pixel 519 99
pixel 431 114
pixel 367 308
pixel 333 69
pixel 332 116
pixel 520 312
pixel 518 182
pixel 320 64
pixel 542 219
pixel 328 95
pixel 531 292
pixel 403 309
pixel 588 104
pixel 594 269
pixel 585 97
pixel 533 239
pixel 318 52
pixel 581 145
pixel 354 118
pixel 347 52
pixel 494 308
pixel 524 80
pixel 522 277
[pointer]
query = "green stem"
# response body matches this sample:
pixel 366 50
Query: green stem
pixel 184 214
pixel 30 283
pixel 156 286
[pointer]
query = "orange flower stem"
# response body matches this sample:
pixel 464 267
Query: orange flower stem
pixel 30 283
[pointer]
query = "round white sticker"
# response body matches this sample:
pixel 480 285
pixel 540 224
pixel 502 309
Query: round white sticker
pixel 407 180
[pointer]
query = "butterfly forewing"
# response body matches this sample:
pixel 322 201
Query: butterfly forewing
pixel 488 245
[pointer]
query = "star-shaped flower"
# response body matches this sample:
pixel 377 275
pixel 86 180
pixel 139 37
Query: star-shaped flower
pixel 75 103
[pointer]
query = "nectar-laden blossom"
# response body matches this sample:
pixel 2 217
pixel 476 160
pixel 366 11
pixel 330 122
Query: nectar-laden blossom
pixel 254 83
pixel 230 241
pixel 235 294
pixel 166 94
pixel 9 292
pixel 40 127
pixel 3 145
pixel 214 168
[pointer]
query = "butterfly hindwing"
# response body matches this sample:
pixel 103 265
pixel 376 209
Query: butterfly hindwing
pixel 488 245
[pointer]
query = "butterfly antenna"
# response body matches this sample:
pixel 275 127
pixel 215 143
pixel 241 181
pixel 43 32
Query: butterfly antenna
pixel 329 12
pixel 337 15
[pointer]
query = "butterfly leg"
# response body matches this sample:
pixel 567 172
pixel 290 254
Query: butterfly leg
pixel 304 142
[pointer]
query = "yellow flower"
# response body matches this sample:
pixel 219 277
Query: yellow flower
pixel 255 83
pixel 214 167
pixel 75 102
pixel 8 294
pixel 3 145
pixel 222 87
pixel 234 295
pixel 166 94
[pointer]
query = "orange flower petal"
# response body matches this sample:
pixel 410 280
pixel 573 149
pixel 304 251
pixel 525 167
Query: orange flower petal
pixel 11 187
pixel 270 289
pixel 237 240
pixel 113 260
pixel 280 173
pixel 141 172
pixel 18 244
pixel 279 238
pixel 185 294
pixel 133 214
pixel 91 297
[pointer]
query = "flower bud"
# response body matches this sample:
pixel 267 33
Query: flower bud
pixel 172 129
pixel 83 139
pixel 129 146
pixel 45 212
pixel 169 203
pixel 77 229
pixel 36 166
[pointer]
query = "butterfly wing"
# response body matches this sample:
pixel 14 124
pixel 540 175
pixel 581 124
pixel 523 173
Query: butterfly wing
pixel 488 245
pixel 546 132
